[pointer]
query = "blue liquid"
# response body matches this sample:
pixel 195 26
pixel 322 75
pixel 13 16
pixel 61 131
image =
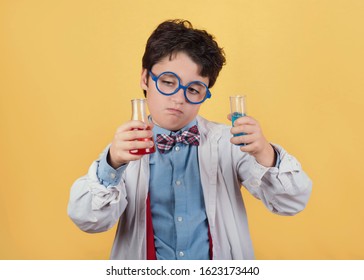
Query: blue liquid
pixel 234 117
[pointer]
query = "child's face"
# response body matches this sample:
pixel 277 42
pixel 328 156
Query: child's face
pixel 172 112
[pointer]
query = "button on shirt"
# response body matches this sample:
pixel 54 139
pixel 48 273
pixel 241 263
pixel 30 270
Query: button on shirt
pixel 177 205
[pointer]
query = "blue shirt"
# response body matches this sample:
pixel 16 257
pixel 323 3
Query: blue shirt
pixel 177 206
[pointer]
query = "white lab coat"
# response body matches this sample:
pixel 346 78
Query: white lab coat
pixel 223 169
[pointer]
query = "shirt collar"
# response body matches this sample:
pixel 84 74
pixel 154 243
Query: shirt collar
pixel 160 130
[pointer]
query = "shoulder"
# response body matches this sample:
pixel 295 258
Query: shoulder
pixel 212 130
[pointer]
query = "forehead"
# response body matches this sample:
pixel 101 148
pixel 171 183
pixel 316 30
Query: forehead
pixel 181 64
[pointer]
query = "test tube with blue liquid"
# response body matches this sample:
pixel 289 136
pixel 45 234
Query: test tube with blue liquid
pixel 237 109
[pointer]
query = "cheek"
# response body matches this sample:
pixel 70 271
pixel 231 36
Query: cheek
pixel 192 111
pixel 195 108
pixel 153 102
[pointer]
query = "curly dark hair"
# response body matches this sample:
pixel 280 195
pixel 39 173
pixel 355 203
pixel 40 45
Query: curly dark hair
pixel 173 36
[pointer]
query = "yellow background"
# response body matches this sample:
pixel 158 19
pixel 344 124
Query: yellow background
pixel 69 68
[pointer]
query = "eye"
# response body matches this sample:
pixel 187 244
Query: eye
pixel 196 88
pixel 193 91
pixel 168 82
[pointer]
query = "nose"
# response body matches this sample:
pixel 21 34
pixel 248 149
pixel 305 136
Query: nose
pixel 179 96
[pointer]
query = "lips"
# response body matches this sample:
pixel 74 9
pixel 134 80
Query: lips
pixel 174 111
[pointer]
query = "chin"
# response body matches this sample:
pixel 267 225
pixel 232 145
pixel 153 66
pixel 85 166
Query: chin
pixel 173 125
pixel 169 122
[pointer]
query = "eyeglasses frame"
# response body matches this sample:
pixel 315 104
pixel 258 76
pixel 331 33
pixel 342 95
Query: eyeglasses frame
pixel 180 86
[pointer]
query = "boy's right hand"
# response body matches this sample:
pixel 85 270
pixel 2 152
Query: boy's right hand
pixel 125 140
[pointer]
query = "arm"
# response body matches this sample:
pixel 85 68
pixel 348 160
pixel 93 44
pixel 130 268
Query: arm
pixel 284 190
pixel 270 174
pixel 92 206
pixel 98 199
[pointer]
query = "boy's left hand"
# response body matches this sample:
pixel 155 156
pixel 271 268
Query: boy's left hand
pixel 256 144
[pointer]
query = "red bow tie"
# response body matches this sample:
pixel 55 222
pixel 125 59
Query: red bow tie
pixel 190 137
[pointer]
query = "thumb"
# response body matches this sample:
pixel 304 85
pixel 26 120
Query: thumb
pixel 150 125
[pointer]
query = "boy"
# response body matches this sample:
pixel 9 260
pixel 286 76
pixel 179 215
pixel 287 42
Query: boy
pixel 184 200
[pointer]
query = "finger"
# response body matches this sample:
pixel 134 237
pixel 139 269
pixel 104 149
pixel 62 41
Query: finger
pixel 139 144
pixel 150 125
pixel 133 135
pixel 242 139
pixel 125 155
pixel 136 134
pixel 118 155
pixel 230 117
pixel 140 147
pixel 250 148
pixel 134 124
pixel 120 151
pixel 245 120
pixel 247 129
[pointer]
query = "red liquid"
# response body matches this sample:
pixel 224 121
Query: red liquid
pixel 143 151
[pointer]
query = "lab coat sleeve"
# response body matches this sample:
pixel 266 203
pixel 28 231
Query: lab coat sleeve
pixel 94 207
pixel 284 190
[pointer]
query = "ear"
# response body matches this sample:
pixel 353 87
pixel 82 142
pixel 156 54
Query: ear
pixel 144 79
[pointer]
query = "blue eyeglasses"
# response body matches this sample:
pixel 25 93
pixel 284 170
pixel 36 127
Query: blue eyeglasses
pixel 168 83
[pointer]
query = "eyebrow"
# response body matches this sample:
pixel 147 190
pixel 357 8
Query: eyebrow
pixel 181 80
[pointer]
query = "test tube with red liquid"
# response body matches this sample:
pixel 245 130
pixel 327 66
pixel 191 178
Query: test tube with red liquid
pixel 139 112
